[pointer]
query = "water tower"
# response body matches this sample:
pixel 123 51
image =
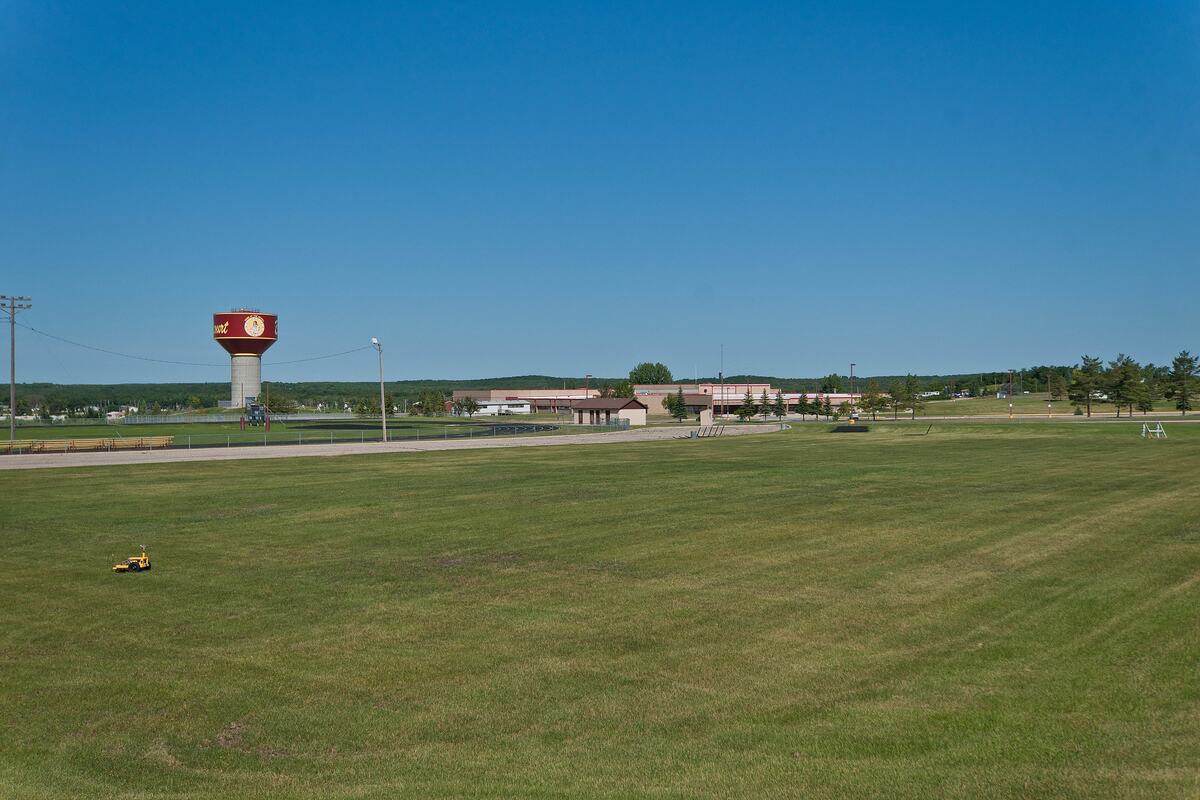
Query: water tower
pixel 245 334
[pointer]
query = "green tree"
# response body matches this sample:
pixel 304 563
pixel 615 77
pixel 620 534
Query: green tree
pixel 429 404
pixel 647 372
pixel 470 406
pixel 1124 382
pixel 872 400
pixel 764 404
pixel 826 407
pixel 1181 381
pixel 779 408
pixel 831 383
pixel 677 405
pixel 747 410
pixel 622 389
pixel 895 398
pixel 282 403
pixel 912 394
pixel 803 404
pixel 1058 386
pixel 1086 381
pixel 1151 388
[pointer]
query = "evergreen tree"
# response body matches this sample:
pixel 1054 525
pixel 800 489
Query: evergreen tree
pixel 747 409
pixel 1181 381
pixel 1150 388
pixel 1124 382
pixel 678 405
pixel 1086 380
pixel 827 407
pixel 764 404
pixel 802 405
pixel 779 409
pixel 1057 385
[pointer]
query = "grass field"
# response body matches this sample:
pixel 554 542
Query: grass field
pixel 985 611
pixel 1032 404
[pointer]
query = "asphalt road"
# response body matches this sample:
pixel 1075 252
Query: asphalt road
pixel 101 458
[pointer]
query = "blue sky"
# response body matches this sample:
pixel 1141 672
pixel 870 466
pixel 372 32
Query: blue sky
pixel 497 189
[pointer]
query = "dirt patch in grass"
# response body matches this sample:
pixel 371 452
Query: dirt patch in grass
pixel 230 737
pixel 159 753
pixel 233 737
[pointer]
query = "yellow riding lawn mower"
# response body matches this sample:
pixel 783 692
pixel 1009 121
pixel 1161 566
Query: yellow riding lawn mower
pixel 134 563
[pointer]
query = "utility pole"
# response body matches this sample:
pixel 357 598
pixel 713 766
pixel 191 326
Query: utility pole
pixel 15 304
pixel 1010 397
pixel 852 382
pixel 382 408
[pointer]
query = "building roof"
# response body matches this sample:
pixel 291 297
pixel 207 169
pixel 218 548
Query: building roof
pixel 609 404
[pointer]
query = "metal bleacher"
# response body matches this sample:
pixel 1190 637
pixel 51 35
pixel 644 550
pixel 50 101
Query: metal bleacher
pixel 704 432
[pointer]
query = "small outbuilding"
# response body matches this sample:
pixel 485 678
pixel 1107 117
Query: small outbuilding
pixel 607 410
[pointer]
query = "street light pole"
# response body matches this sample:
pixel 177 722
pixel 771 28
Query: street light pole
pixel 382 407
pixel 15 304
pixel 721 376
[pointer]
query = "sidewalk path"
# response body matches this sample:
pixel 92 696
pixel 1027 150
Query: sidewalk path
pixel 50 460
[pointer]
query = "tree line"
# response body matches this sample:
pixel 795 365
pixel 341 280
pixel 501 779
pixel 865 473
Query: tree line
pixel 1122 381
pixel 1129 385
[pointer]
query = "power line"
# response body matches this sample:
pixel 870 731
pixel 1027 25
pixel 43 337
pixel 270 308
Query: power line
pixel 317 358
pixel 179 363
pixel 114 352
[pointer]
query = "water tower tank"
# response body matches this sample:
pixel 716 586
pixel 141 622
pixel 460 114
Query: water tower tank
pixel 245 334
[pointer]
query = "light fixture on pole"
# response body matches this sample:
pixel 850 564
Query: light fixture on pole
pixel 382 407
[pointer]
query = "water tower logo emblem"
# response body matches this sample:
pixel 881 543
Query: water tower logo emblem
pixel 254 326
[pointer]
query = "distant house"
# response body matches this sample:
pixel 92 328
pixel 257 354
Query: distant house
pixel 607 410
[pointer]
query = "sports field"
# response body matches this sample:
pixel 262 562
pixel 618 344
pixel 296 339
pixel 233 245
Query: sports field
pixel 988 610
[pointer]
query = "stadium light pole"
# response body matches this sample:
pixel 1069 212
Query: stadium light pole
pixel 15 304
pixel 382 407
